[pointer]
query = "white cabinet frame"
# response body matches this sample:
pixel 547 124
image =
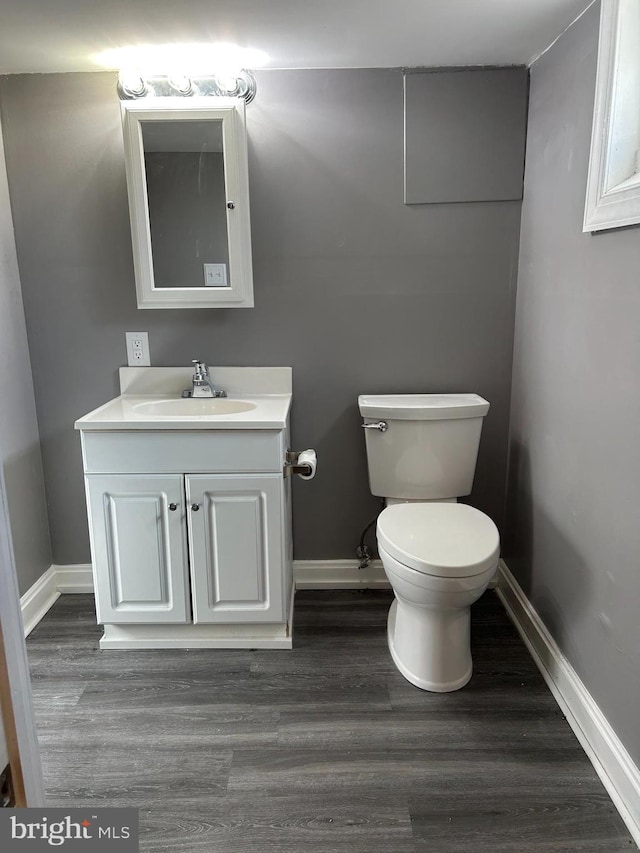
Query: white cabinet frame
pixel 231 111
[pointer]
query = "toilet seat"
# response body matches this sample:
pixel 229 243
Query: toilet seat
pixel 446 540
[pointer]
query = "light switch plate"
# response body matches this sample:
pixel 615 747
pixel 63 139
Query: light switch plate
pixel 215 275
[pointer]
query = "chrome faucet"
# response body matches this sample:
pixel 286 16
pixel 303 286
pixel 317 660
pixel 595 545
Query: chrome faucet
pixel 202 385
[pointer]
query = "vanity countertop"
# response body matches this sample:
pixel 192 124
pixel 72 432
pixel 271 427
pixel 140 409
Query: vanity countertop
pixel 269 411
pixel 258 398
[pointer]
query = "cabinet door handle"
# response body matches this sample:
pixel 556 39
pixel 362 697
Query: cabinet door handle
pixel 173 507
pixel 195 507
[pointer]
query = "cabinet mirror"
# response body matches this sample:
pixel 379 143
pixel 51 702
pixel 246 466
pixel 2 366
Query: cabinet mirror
pixel 188 188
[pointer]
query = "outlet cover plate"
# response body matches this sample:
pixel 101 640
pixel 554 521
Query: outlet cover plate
pixel 138 349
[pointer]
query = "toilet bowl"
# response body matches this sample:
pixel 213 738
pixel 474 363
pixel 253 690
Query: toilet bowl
pixel 439 555
pixel 439 559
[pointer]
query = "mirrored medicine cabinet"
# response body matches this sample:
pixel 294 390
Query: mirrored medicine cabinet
pixel 188 188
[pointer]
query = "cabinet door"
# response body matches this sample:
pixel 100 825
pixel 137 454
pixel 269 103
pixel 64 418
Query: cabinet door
pixel 138 543
pixel 237 555
pixel 179 199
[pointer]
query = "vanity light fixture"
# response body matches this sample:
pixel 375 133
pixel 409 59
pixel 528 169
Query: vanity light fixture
pixel 184 70
pixel 182 85
pixel 132 86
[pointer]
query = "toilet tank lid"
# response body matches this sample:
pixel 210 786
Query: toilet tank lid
pixel 442 539
pixel 422 406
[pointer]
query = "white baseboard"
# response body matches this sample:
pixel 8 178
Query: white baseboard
pixel 338 574
pixel 74 578
pixel 307 574
pixel 38 599
pixel 44 593
pixel 612 762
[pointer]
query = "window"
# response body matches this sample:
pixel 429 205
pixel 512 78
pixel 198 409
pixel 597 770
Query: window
pixel 613 184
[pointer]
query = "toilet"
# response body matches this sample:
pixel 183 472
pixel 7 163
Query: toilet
pixel 438 555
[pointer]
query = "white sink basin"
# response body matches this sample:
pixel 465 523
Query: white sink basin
pixel 189 407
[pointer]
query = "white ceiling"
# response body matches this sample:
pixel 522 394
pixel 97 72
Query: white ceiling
pixel 62 35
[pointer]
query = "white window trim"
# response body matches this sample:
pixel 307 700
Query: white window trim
pixel 619 205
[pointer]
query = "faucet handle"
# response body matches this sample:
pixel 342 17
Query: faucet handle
pixel 200 368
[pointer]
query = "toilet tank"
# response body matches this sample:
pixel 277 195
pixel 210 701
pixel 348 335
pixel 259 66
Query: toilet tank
pixel 429 448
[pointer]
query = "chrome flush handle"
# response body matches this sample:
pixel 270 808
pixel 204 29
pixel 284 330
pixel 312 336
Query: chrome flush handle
pixel 382 426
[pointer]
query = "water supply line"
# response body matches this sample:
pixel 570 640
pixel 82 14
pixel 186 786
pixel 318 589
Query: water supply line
pixel 363 553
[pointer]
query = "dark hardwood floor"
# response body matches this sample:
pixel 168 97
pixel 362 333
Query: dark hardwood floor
pixel 323 748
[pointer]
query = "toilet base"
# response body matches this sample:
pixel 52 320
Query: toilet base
pixel 430 647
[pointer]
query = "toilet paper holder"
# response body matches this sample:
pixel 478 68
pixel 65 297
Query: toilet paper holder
pixel 291 465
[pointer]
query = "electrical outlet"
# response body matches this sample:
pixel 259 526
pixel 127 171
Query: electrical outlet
pixel 138 349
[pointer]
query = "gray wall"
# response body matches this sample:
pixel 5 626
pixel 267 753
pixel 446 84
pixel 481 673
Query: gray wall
pixel 19 441
pixel 573 537
pixel 356 291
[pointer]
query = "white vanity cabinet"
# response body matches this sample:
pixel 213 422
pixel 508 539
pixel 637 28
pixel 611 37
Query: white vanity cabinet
pixel 190 510
pixel 190 537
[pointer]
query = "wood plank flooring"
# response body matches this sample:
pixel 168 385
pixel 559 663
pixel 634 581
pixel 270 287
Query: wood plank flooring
pixel 323 748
